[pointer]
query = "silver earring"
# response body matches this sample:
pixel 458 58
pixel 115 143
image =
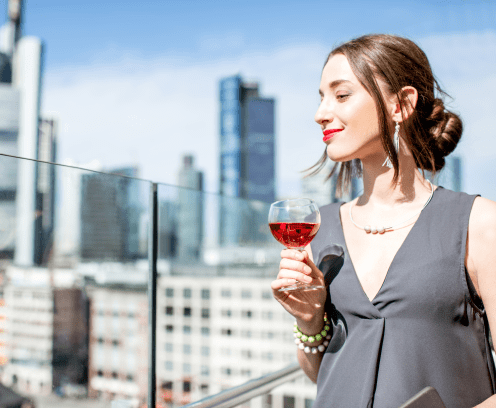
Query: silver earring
pixel 396 143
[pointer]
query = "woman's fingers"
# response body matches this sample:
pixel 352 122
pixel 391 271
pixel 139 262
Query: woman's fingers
pixel 291 274
pixel 295 266
pixel 281 283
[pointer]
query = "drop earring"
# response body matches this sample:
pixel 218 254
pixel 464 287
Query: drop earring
pixel 396 143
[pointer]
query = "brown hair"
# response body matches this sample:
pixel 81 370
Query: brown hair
pixel 431 132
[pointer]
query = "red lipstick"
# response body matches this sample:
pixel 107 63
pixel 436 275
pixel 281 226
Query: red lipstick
pixel 330 133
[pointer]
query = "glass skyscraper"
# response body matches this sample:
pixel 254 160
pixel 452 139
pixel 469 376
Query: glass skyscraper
pixel 247 153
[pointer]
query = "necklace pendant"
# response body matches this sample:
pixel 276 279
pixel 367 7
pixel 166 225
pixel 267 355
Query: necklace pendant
pixel 381 230
pixel 367 229
pixel 374 230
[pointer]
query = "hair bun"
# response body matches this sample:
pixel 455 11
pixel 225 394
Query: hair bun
pixel 446 130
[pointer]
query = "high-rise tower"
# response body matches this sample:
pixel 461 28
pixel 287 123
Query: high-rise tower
pixel 247 162
pixel 247 155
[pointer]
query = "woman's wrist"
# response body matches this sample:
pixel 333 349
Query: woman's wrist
pixel 311 326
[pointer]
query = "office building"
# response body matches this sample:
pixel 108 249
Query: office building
pixel 24 231
pixel 323 190
pixel 45 330
pixel 247 154
pixel 190 211
pixel 110 216
pixel 118 352
pixel 450 176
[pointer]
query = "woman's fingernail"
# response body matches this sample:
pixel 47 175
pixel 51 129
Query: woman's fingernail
pixel 291 281
pixel 307 269
pixel 308 279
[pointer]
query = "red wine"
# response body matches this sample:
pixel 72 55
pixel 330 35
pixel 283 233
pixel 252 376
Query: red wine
pixel 294 234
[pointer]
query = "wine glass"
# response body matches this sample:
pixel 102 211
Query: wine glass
pixel 294 223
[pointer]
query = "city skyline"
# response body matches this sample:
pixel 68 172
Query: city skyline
pixel 173 77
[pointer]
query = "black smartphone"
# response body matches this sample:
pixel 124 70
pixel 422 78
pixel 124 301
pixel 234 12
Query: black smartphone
pixel 427 398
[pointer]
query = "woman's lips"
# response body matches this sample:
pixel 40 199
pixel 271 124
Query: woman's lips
pixel 330 133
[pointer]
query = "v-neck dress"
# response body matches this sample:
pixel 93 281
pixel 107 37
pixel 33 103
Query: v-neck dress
pixel 423 328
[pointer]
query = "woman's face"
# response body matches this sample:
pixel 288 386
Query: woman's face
pixel 347 114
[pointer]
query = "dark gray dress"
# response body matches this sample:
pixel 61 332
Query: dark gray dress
pixel 425 327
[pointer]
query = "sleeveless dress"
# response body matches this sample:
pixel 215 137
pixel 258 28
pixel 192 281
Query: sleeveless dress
pixel 425 327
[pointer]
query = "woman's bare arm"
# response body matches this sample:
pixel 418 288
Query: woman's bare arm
pixel 307 307
pixel 481 262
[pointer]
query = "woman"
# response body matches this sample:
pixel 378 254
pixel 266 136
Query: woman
pixel 413 302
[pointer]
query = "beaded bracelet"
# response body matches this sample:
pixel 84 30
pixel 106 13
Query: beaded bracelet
pixel 301 338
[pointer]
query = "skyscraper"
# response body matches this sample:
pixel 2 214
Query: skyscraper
pixel 190 219
pixel 21 60
pixel 247 141
pixel 110 216
pixel 323 191
pixel 247 153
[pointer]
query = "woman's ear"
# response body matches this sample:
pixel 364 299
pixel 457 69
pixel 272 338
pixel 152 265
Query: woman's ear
pixel 403 111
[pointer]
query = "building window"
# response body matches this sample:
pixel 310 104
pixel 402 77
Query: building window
pixel 246 353
pixel 246 372
pixel 226 332
pixel 288 402
pixel 99 373
pixel 187 293
pixel 226 293
pixel 246 294
pixel 115 375
pixel 167 385
pixel 226 312
pixel 169 310
pixel 205 313
pixel 267 401
pixel 187 312
pixel 187 329
pixel 205 351
pixel 169 347
pixel 267 356
pixel 246 333
pixel 246 314
pixel 187 386
pixel 267 315
pixel 169 366
pixel 268 335
pixel 205 294
pixel 266 295
pixel 169 292
pixel 186 349
pixel 205 370
pixel 226 371
pixel 129 377
pixel 186 368
pixel 169 328
pixel 308 403
pixel 205 331
pixel 204 388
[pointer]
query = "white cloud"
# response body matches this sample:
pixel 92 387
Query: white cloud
pixel 150 111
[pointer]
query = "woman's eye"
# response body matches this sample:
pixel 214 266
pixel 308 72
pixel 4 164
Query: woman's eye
pixel 342 96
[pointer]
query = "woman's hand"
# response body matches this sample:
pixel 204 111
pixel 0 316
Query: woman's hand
pixel 307 306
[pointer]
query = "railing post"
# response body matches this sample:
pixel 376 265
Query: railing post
pixel 152 296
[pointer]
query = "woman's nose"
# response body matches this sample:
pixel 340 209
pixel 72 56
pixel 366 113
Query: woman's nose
pixel 323 114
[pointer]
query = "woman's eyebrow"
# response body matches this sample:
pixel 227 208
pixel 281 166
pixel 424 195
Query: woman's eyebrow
pixel 334 84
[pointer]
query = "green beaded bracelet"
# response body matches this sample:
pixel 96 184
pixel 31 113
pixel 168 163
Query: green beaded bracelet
pixel 312 338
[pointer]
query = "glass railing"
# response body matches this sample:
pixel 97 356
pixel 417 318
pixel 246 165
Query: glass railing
pixel 74 307
pixel 83 258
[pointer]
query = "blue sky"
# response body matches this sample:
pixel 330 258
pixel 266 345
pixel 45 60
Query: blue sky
pixel 136 82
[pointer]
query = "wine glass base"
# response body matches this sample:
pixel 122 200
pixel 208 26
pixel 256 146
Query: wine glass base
pixel 301 286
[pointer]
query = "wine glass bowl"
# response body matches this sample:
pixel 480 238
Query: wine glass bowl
pixel 294 223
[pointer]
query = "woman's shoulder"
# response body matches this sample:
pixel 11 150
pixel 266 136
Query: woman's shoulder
pixel 482 223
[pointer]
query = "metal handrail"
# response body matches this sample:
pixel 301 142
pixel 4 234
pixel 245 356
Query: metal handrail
pixel 251 389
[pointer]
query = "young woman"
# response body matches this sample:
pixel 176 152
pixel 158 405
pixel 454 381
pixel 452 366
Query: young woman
pixel 413 302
